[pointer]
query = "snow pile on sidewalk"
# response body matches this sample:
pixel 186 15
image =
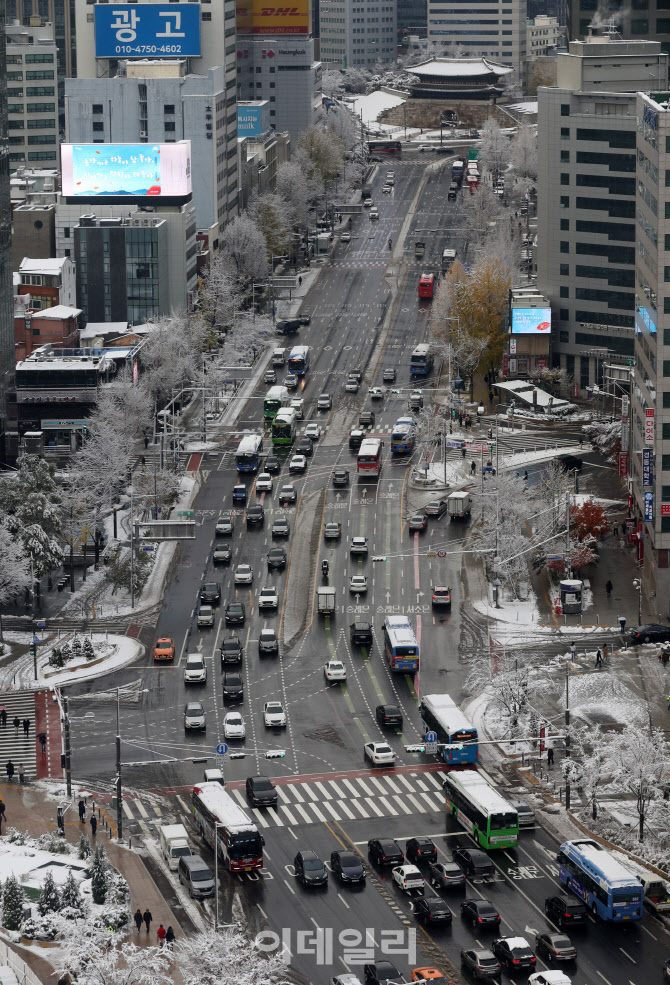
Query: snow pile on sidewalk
pixel 104 655
pixel 606 700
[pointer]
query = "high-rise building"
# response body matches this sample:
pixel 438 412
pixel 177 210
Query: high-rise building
pixel 6 303
pixel 495 29
pixel 644 20
pixel 32 96
pixel 586 201
pixel 358 33
pixel 412 18
pixel 283 72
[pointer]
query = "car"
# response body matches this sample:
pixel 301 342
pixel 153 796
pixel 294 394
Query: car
pixel 376 393
pixel 649 633
pixel 164 649
pixel 352 385
pixel 268 598
pixel 235 614
pixel 381 972
pixel 441 597
pixel 195 671
pixel 420 849
pixel 386 188
pixel 305 319
pixel 379 753
pixel 555 947
pixel 433 974
pixel 255 516
pixel 526 814
pixel 345 237
pixel 437 507
pixel 325 402
pixel 272 464
pixel 549 978
pixel 261 791
pixel 366 418
pixel 287 495
pixel 274 715
pixel 446 875
pixel 473 134
pixel 569 463
pixel 480 912
pixel 474 862
pixel 264 482
pixel 358 583
pixel 290 381
pixel 389 375
pixel 347 867
pixel 418 523
pixel 287 326
pixel 224 525
pixel 210 593
pixel 276 558
pixel 390 177
pixel 239 493
pixel 384 851
pixel 268 644
pixel 233 726
pixel 222 554
pixel 565 910
pixel 367 203
pixel 514 952
pixel 373 213
pixel 358 545
pixel 280 527
pixel 313 431
pixel 270 376
pixel 335 670
pixel 360 633
pixel 480 962
pixel 233 687
pixel 304 447
pixel 340 477
pixel 356 374
pixel 389 716
pixel 431 910
pixel 194 716
pixel 297 464
pixel 356 439
pixel 407 877
pixel 298 405
pixel 205 617
pixel 345 980
pixel 244 574
pixel 232 650
pixel 309 869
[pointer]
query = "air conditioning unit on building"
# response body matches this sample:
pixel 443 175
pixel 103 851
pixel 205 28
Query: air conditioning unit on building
pixel 143 133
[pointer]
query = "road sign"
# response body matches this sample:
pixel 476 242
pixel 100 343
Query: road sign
pixel 431 743
pixel 441 553
pixel 431 553
pixel 187 513
pixel 222 748
pixel 431 737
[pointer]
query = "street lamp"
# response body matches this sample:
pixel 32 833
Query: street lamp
pixel 637 584
pixel 217 825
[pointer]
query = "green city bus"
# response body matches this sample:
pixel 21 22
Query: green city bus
pixel 284 427
pixel 481 810
pixel 276 398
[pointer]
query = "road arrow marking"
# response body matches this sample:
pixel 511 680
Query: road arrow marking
pixel 531 930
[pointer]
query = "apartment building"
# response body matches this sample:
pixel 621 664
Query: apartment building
pixel 32 96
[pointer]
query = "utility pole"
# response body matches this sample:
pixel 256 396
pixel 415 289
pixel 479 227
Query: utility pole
pixel 132 554
pixel 567 532
pixel 119 793
pixel 567 733
pixel 68 770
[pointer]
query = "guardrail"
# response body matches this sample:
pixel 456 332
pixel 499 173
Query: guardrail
pixel 24 974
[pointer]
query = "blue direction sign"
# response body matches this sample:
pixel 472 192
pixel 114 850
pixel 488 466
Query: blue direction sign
pixel 222 748
pixel 431 737
pixel 431 743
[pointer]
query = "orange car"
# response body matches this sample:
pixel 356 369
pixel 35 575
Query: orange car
pixel 164 649
pixel 430 973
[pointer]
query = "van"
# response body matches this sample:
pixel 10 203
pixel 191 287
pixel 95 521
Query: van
pixel 196 875
pixel 174 844
pixel 278 357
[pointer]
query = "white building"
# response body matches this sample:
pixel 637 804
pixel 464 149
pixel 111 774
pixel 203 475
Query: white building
pixel 542 36
pixel 494 28
pixel 49 281
pixel 357 33
pixel 32 96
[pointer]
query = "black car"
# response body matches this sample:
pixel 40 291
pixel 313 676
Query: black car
pixel 384 851
pixel 235 614
pixel 666 971
pixel 570 463
pixel 366 418
pixel 233 687
pixel 347 866
pixel 276 558
pixel 210 593
pixel 222 554
pixel 231 650
pixel 303 446
pixel 309 869
pixel 389 375
pixel 381 972
pixel 473 862
pixel 480 962
pixel 272 464
pixel 340 477
pixel 305 319
pixel 565 909
pixel 515 952
pixel 255 516
pixel 480 913
pixel 268 644
pixel 280 527
pixel 555 947
pixel 361 633
pixel 287 326
pixel 389 716
pixel 260 791
pixel 356 439
pixel 431 910
pixel 420 849
pixel 650 633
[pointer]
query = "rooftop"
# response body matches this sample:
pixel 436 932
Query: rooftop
pixel 458 68
pixel 47 265
pixel 57 312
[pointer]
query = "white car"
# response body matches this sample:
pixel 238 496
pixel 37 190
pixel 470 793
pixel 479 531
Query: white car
pixel 549 978
pixel 206 616
pixel 233 726
pixel 298 405
pixel 274 715
pixel 379 753
pixel 313 431
pixel 297 464
pixel 268 598
pixel 345 980
pixel 345 237
pixel 335 670
pixel 407 877
pixel 243 574
pixel 264 482
pixel 367 203
pixel 358 583
pixel 195 671
pixel 351 386
pixel 325 402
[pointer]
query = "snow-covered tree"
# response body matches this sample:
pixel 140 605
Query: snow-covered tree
pixel 87 649
pixel 228 958
pixel 49 898
pixel 172 355
pixel 579 556
pixel 14 567
pixel 13 899
pixel 71 898
pixel 639 763
pixel 481 210
pixel 590 747
pixel 523 157
pixel 31 503
pixel 332 83
pixel 84 849
pixel 301 190
pixel 274 216
pixel 494 148
pixel 243 246
pixel 99 876
pixel 555 379
pixel 323 151
pixel 97 956
pixel 605 438
pixel 506 679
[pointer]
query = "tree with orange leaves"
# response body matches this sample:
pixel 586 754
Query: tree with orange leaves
pixel 589 520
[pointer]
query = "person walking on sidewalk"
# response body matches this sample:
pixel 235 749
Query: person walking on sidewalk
pixel 160 934
pixel 82 811
pixel 3 717
pixel 573 652
pixel 146 916
pixel 2 814
pixel 609 587
pixel 94 824
pixel 43 742
pixel 599 658
pixel 138 918
pixel 550 755
pixel 26 727
pixel 146 442
pixel 10 770
pixel 169 937
pixel 16 723
pixel 22 775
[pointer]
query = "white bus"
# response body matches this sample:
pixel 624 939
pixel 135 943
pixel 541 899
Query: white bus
pixel 369 461
pixel 298 361
pixel 276 398
pixel 481 810
pixel 284 426
pixel 248 454
pixel 239 843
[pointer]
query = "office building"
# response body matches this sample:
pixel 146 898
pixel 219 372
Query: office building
pixel 412 16
pixel 586 201
pixel 48 282
pixel 6 303
pixel 32 96
pixel 358 33
pixel 641 21
pixel 495 30
pixel 33 328
pixel 258 162
pixel 282 71
pixel 542 36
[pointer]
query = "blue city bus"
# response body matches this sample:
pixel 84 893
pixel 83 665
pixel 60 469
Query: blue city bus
pixel 441 714
pixel 421 360
pixel 600 880
pixel 403 437
pixel 400 644
pixel 248 454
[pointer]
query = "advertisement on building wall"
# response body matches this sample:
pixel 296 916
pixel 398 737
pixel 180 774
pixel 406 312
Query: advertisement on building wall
pixel 649 416
pixel 649 506
pixel 257 17
pixel 647 467
pixel 623 464
pixel 252 121
pixel 148 29
pixel 126 170
pixel 531 321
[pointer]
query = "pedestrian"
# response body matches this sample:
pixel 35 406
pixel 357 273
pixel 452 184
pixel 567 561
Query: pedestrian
pixel 473 468
pixel 143 460
pixel 525 476
pixel 490 396
pixel 608 587
pixel 299 285
pixel 160 934
pixel 146 442
pixel 550 756
pixel 573 652
pixel 138 919
pixel 666 656
pixel 26 727
pixel 16 723
pixel 599 658
pixel 169 937
pixel 146 916
pixel 22 775
pixel 615 528
pixel 94 824
pixel 82 811
pixel 606 651
pixel 462 452
pixel 3 717
pixel 10 770
pixel 2 814
pixel 43 742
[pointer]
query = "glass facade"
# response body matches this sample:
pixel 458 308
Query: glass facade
pixel 6 303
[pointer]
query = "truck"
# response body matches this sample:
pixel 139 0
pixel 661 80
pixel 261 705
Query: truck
pixel 174 843
pixel 366 192
pixel 459 505
pixel 326 600
pixel 278 357
pixel 419 250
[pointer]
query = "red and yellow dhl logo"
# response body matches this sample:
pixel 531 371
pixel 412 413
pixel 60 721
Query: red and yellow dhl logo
pixel 279 11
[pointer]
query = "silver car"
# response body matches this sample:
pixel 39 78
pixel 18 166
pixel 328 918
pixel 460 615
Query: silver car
pixel 194 717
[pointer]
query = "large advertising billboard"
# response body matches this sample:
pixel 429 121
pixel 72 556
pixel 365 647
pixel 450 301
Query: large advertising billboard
pixel 126 170
pixel 253 119
pixel 147 30
pixel 531 321
pixel 257 17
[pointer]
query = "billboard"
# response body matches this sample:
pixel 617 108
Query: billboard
pixel 126 170
pixel 531 321
pixel 147 30
pixel 257 17
pixel 253 119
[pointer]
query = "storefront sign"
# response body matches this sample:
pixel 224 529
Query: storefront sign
pixel 649 415
pixel 647 467
pixel 623 464
pixel 649 506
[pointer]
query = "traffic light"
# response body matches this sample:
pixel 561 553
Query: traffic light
pixel 33 648
pixel 415 748
pixel 381 558
pixel 275 754
pixel 236 755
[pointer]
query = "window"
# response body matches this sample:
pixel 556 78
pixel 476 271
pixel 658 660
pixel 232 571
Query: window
pixel 565 133
pixel 564 247
pixel 565 178
pixel 168 108
pixel 169 125
pixel 565 201
pixel 565 109
pixel 39 59
pixel 42 155
pixel 564 336
pixel 639 25
pixel 40 91
pixel 40 107
pixel 666 401
pixel 615 138
pixel 206 15
pixel 34 76
pixel 564 269
pixel 565 225
pixel 666 432
pixel 97 108
pixel 564 315
pixel 666 367
pixel 98 125
pixel 565 292
pixel 66 232
pixel 565 157
pixel 665 463
pixel 665 493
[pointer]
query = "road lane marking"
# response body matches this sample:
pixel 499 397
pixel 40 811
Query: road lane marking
pixel 259 817
pixel 342 804
pixel 275 816
pixel 288 814
pixel 401 801
pixel 632 960
pixel 288 884
pixel 308 790
pixel 239 797
pixel 359 807
pixel 329 807
pixel 317 812
pixel 301 810
pixel 326 793
pixel 364 786
pixel 344 901
pixel 373 807
pixel 388 806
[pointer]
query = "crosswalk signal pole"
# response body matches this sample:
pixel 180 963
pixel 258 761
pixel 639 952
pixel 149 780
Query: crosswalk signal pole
pixel 68 770
pixel 119 793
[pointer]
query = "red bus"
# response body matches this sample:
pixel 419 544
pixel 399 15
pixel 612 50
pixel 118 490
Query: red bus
pixel 221 822
pixel 384 146
pixel 369 460
pixel 426 285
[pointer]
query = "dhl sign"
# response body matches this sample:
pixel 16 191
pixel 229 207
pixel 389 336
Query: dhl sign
pixel 254 17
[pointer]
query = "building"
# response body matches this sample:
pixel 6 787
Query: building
pixel 412 17
pixel 643 20
pixel 495 29
pixel 258 162
pixel 529 322
pixel 459 78
pixel 32 96
pixel 283 72
pixel 159 103
pixel 543 34
pixel 48 282
pixel 6 303
pixel 58 326
pixel 358 33
pixel 586 193
pixel 33 186
pixel 34 233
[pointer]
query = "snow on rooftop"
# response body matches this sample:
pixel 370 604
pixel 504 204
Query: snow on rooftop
pixel 95 328
pixel 518 943
pixel 488 798
pixel 58 311
pixel 529 107
pixel 370 106
pixel 611 868
pixel 524 390
pixel 453 68
pixel 45 265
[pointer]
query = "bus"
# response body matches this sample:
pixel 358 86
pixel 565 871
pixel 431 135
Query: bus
pixel 284 426
pixel 481 810
pixel 248 454
pixel 600 880
pixel 384 146
pixel 276 398
pixel 400 645
pixel 448 258
pixel 426 285
pixel 239 843
pixel 298 361
pixel 403 437
pixel 441 714
pixel 421 360
pixel 369 460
